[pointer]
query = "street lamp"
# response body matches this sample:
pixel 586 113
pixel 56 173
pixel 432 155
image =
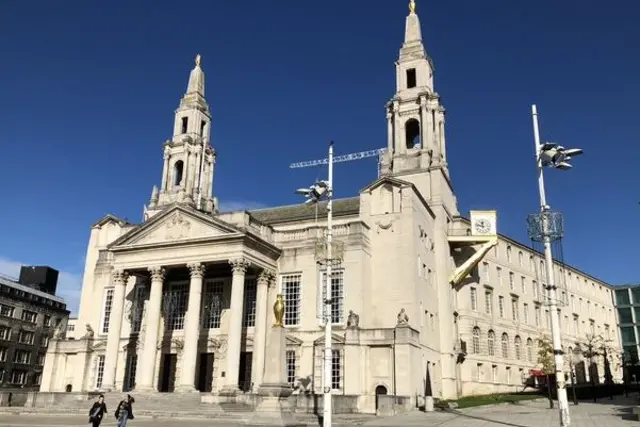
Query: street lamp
pixel 547 227
pixel 314 194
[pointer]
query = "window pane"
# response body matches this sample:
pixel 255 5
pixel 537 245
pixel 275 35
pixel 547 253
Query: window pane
pixel 628 335
pixel 635 294
pixel 625 315
pixel 622 297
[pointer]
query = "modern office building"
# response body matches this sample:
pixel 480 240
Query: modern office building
pixel 627 300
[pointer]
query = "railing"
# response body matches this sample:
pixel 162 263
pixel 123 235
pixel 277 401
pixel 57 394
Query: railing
pixel 317 232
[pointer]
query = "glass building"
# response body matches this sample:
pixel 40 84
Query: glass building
pixel 628 305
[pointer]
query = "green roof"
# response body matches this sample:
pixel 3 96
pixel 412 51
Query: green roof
pixel 280 214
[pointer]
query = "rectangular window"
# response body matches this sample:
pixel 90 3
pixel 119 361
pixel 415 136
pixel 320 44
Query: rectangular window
pixel 576 325
pixel 18 377
pixel 185 122
pixel 41 358
pixel 525 311
pixel 622 297
pixel 625 315
pixel 515 315
pixel 534 288
pixel 22 357
pixel 336 370
pixel 5 333
pixel 212 303
pixel 337 296
pixel 485 271
pixel 501 306
pixel 480 371
pixel 3 354
pixel 538 316
pixel 175 305
pixel 499 275
pixel 291 289
pixel 26 337
pixel 250 289
pixel 488 302
pixel 132 365
pixel 411 78
pixel 7 310
pixel 44 340
pixel 474 299
pixel 106 310
pixel 523 285
pixel 140 295
pixel 512 280
pixel 99 371
pixel 47 320
pixel 291 367
pixel 494 373
pixel 37 378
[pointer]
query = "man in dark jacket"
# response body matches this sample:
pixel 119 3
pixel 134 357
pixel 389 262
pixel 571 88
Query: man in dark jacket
pixel 97 411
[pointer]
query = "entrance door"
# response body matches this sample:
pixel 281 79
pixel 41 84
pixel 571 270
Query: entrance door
pixel 205 374
pixel 168 374
pixel 244 374
pixel 380 391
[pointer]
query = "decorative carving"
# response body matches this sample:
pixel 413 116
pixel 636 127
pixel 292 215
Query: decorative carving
pixel 219 346
pixel 278 311
pixel 266 277
pixel 197 269
pixel 353 321
pixel 89 334
pixel 177 227
pixel 422 234
pixel 239 265
pixel 385 227
pixel 58 333
pixel 403 319
pixel 157 273
pixel 119 277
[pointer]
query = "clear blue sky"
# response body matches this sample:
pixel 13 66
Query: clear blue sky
pixel 88 90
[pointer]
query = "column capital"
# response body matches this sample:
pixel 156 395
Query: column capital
pixel 239 265
pixel 157 273
pixel 119 277
pixel 423 101
pixel 196 269
pixel 266 276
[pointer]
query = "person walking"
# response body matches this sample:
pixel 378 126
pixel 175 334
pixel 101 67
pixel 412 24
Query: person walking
pixel 124 413
pixel 97 411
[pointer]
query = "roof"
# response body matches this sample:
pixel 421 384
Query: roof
pixel 12 284
pixel 347 206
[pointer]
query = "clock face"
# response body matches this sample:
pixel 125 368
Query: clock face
pixel 483 226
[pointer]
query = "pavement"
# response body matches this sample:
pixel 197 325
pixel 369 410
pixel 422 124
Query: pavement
pixel 605 413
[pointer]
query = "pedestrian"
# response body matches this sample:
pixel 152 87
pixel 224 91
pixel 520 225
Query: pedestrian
pixel 124 413
pixel 97 411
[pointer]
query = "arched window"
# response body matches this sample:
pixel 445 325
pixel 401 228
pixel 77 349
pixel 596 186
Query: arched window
pixel 505 346
pixel 491 343
pixel 177 173
pixel 517 343
pixel 412 133
pixel 529 349
pixel 476 340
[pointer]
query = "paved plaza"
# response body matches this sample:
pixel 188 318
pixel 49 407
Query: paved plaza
pixel 605 413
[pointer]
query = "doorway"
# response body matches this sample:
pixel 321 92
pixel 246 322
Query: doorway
pixel 205 373
pixel 244 373
pixel 168 373
pixel 380 391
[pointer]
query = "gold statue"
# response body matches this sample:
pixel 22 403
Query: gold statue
pixel 412 6
pixel 278 311
pixel 198 59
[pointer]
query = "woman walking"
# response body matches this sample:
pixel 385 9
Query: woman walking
pixel 124 413
pixel 97 411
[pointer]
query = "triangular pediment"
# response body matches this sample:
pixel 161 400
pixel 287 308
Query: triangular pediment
pixel 386 180
pixel 335 339
pixel 176 224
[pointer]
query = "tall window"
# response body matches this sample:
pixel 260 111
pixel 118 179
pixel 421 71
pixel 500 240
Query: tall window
pixel 517 343
pixel 491 343
pixel 520 258
pixel 250 289
pixel 106 310
pixel 508 253
pixel 523 285
pixel 141 293
pixel 291 367
pixel 474 299
pixel 212 303
pixel 291 288
pixel 512 281
pixel 499 274
pixel 537 316
pixel 99 371
pixel 485 271
pixel 476 340
pixel 501 306
pixel 337 295
pixel 529 349
pixel 132 366
pixel 29 316
pixel 525 311
pixel 514 309
pixel 336 369
pixel 534 287
pixel 176 305
pixel 505 345
pixel 488 302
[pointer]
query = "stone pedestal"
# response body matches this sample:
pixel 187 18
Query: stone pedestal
pixel 428 404
pixel 273 408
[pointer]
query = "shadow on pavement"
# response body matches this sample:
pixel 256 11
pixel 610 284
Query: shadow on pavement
pixel 475 417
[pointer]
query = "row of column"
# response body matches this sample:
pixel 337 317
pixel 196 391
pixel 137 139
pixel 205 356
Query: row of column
pixel 145 380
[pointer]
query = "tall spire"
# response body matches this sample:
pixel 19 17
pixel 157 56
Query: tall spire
pixel 412 45
pixel 196 79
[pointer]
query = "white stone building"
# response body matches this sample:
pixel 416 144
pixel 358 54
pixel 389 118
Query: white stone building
pixel 189 291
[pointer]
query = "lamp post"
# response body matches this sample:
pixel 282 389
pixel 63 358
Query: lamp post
pixel 547 226
pixel 324 190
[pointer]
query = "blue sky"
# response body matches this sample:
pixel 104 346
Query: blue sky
pixel 88 90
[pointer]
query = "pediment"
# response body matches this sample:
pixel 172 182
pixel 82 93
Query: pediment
pixel 335 339
pixel 386 180
pixel 290 340
pixel 100 345
pixel 175 225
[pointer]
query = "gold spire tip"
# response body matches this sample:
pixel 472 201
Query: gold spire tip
pixel 198 60
pixel 412 6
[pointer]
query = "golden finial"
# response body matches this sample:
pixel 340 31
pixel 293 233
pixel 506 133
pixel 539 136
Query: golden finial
pixel 412 6
pixel 198 59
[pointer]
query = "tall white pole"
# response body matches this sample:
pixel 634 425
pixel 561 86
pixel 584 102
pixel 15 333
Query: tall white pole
pixel 563 401
pixel 328 354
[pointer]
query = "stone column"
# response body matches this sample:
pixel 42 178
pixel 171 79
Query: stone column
pixel 119 279
pixel 389 133
pixel 145 380
pixel 191 329
pixel 424 124
pixel 239 267
pixel 260 328
pixel 165 171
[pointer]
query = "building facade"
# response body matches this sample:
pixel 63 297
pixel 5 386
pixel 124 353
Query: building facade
pixel 627 300
pixel 190 289
pixel 28 320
